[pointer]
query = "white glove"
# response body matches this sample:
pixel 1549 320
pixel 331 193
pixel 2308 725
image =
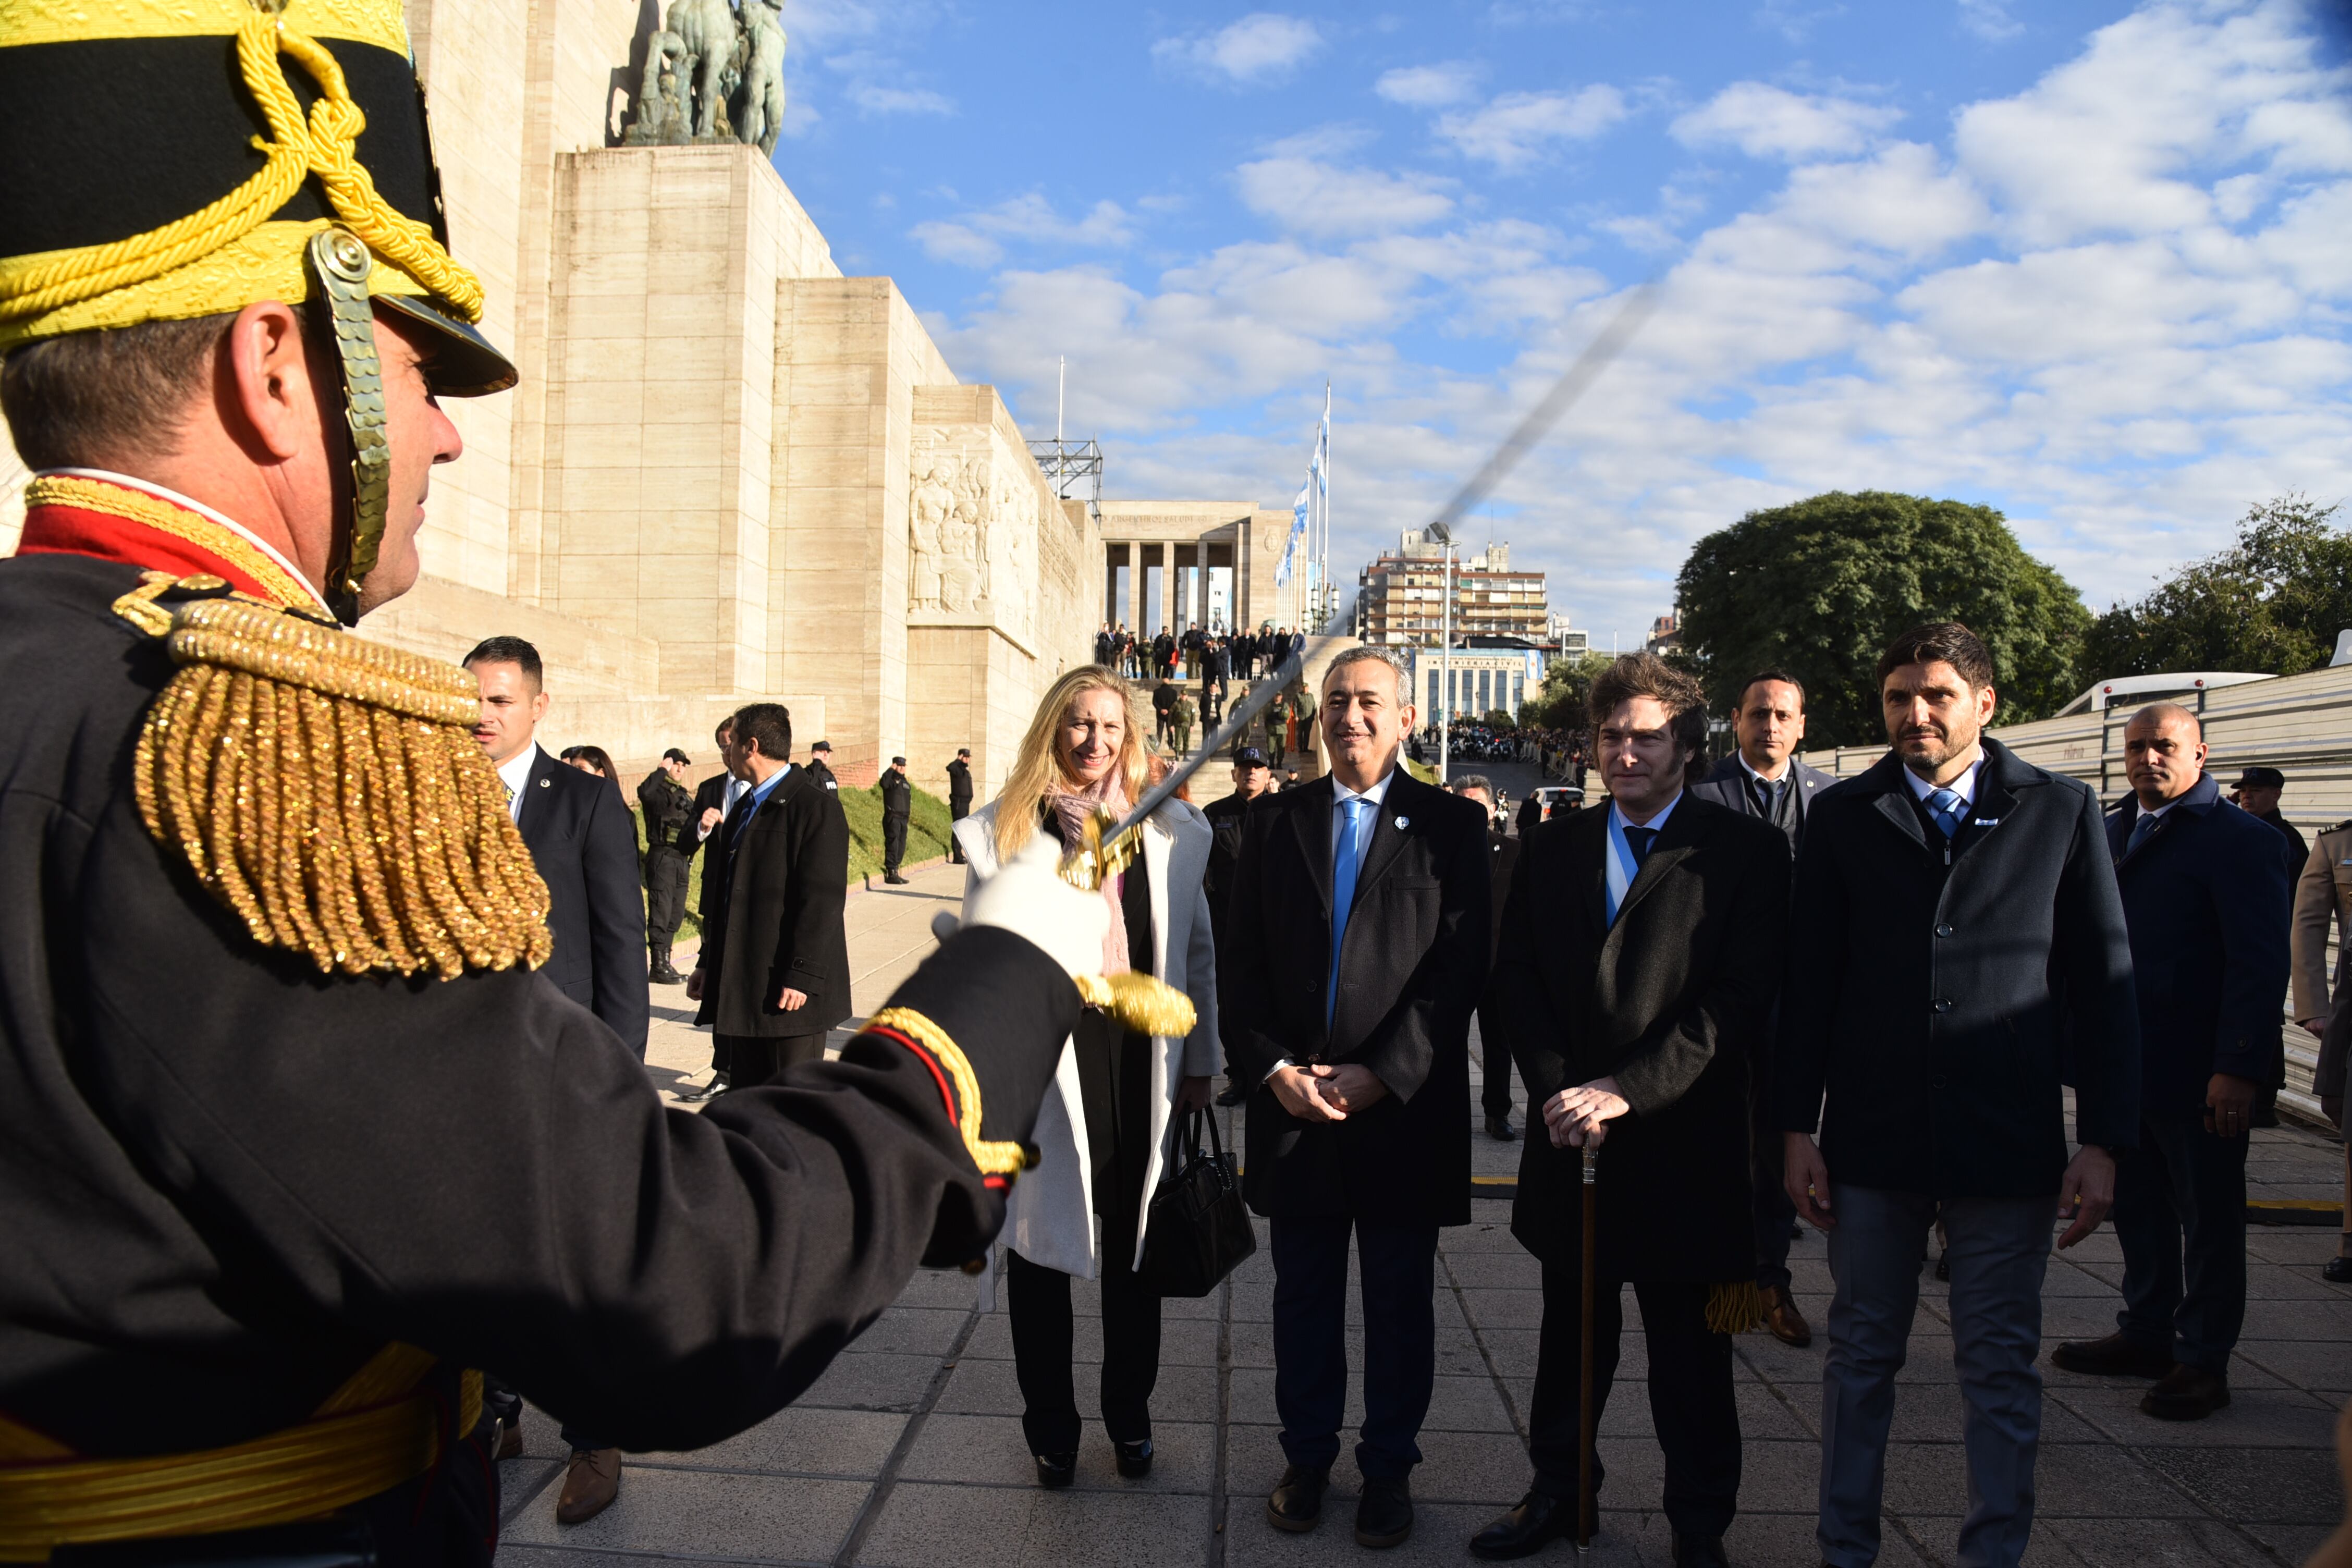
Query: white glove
pixel 1028 898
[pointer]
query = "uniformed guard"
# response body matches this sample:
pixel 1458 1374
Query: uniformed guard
pixel 290 1132
pixel 669 808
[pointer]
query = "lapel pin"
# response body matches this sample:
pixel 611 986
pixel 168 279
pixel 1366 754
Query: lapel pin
pixel 546 784
pixel 1402 823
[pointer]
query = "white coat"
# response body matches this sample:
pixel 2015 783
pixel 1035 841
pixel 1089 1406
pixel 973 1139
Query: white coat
pixel 1050 1217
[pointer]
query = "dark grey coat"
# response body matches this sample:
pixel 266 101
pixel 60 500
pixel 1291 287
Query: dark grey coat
pixel 774 919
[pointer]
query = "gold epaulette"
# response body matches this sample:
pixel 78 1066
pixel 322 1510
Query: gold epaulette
pixel 331 792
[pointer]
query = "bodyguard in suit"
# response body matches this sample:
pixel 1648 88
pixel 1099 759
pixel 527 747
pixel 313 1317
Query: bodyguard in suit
pixel 584 848
pixel 774 974
pixel 1956 937
pixel 713 799
pixel 668 809
pixel 1641 951
pixel 1502 859
pixel 581 839
pixel 1357 947
pixel 1763 779
pixel 2201 883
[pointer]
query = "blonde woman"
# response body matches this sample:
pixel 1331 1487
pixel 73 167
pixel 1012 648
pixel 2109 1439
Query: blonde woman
pixel 1104 1129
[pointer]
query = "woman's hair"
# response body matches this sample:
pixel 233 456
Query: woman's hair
pixel 1037 770
pixel 595 757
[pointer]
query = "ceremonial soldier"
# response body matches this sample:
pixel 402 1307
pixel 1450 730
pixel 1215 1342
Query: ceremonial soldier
pixel 668 809
pixel 291 1131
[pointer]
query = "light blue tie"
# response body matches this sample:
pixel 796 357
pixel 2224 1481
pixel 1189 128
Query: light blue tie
pixel 2140 830
pixel 1343 893
pixel 1948 808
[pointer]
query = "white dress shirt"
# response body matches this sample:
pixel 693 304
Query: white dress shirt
pixel 1340 795
pixel 735 788
pixel 1965 786
pixel 515 772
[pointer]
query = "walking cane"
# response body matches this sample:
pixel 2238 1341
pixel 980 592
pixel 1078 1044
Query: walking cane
pixel 1585 1510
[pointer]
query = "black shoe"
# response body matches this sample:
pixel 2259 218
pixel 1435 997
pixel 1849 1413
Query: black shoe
pixel 895 879
pixel 1233 1094
pixel 1698 1550
pixel 1383 1514
pixel 663 974
pixel 1057 1469
pixel 1540 1519
pixel 1500 1130
pixel 2114 1356
pixel 1944 1265
pixel 2338 1271
pixel 1297 1502
pixel 716 1087
pixel 1134 1459
pixel 1796 1230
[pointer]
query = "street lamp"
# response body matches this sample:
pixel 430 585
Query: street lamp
pixel 1444 536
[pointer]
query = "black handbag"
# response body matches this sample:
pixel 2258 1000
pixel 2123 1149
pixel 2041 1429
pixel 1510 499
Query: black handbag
pixel 1199 1230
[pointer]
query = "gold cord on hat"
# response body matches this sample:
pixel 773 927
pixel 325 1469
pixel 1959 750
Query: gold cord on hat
pixel 324 146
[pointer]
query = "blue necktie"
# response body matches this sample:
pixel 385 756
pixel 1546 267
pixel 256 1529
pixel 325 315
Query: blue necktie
pixel 1948 808
pixel 2140 832
pixel 1638 840
pixel 1343 893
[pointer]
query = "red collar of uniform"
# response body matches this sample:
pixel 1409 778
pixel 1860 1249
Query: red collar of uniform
pixel 82 513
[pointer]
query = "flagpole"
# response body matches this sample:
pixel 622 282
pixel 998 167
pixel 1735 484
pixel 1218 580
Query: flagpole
pixel 1326 489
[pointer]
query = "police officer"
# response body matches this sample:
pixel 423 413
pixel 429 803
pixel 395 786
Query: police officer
pixel 668 808
pixel 960 796
pixel 820 765
pixel 292 1132
pixel 898 805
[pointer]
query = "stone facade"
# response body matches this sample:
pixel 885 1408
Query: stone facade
pixel 730 473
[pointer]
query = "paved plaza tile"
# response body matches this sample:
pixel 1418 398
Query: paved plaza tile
pixel 907 1452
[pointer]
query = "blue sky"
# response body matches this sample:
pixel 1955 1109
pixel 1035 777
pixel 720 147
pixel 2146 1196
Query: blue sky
pixel 2087 262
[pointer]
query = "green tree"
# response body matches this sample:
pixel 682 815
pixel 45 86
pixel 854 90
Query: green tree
pixel 1560 703
pixel 2273 602
pixel 1819 588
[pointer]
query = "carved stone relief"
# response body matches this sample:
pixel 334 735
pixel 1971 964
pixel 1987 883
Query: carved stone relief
pixel 973 530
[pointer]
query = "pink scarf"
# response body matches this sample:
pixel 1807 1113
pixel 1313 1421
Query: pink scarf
pixel 1072 807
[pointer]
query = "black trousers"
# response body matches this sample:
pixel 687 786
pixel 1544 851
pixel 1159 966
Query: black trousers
pixel 748 1059
pixel 894 842
pixel 1773 1213
pixel 2180 1215
pixel 1691 1403
pixel 956 811
pixel 1494 1091
pixel 1044 1337
pixel 666 874
pixel 1396 1264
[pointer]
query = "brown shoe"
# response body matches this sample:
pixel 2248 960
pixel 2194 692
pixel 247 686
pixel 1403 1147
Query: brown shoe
pixel 1787 1323
pixel 2114 1356
pixel 591 1482
pixel 511 1439
pixel 2185 1394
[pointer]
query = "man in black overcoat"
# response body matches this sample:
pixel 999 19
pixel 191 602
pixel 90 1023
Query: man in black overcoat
pixel 2199 878
pixel 1640 952
pixel 774 974
pixel 960 796
pixel 668 808
pixel 1956 948
pixel 1358 945
pixel 1763 779
pixel 1502 861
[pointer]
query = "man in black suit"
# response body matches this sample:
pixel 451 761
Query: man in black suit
pixel 960 796
pixel 1358 945
pixel 1763 779
pixel 1640 955
pixel 584 848
pixel 898 805
pixel 668 809
pixel 1251 778
pixel 1502 859
pixel 1957 944
pixel 774 974
pixel 2200 880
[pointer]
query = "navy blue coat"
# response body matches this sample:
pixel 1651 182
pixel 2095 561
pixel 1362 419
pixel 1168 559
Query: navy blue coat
pixel 584 844
pixel 1727 785
pixel 1935 1001
pixel 2201 896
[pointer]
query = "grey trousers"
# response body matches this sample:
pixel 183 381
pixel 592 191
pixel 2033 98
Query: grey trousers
pixel 2000 1249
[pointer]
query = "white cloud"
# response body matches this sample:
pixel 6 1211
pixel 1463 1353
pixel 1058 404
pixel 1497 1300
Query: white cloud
pixel 874 99
pixel 1264 46
pixel 1990 20
pixel 1428 87
pixel 977 238
pixel 1310 197
pixel 1519 128
pixel 1766 122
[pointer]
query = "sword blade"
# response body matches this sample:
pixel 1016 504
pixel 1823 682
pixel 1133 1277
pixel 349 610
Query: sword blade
pixel 1572 385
